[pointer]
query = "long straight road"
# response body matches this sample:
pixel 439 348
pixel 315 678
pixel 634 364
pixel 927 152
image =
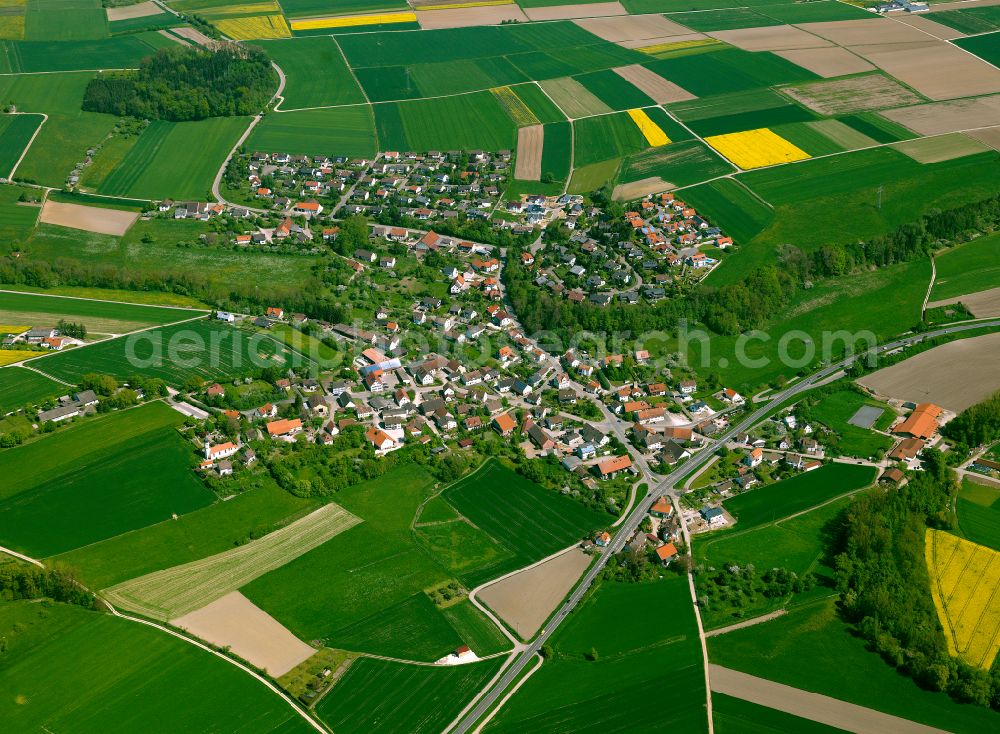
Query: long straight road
pixel 666 486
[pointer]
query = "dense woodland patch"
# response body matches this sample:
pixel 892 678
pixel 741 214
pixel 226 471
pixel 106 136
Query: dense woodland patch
pixel 187 83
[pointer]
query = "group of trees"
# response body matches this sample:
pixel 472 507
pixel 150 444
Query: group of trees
pixel 885 589
pixel 72 329
pixel 977 425
pixel 187 83
pixel 20 581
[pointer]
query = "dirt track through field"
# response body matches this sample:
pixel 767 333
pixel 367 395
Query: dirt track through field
pixel 530 141
pixel 237 623
pixel 954 375
pixel 174 592
pixel 526 599
pixel 982 304
pixel 87 218
pixel 660 90
pixel 813 706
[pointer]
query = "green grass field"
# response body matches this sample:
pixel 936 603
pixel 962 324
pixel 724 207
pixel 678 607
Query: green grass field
pixel 730 205
pixel 196 535
pixel 64 20
pixel 986 47
pixel 728 70
pixel 968 268
pixel 464 122
pixel 16 221
pixel 557 150
pixel 608 136
pixel 120 52
pixel 544 109
pixel 680 163
pixel 174 353
pixel 345 131
pixel 613 90
pixel 364 590
pixel 530 521
pixel 648 650
pixel 132 485
pixel 15 132
pixel 160 166
pixel 317 74
pixel 978 512
pixel 54 648
pixel 98 316
pixel 736 716
pixel 397 698
pixel 782 499
pixel 593 176
pixel 796 650
pixel 971 20
pixel 20 387
pixel 836 409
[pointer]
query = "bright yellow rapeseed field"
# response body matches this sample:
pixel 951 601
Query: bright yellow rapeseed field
pixel 13 328
pixel 345 21
pixel 965 584
pixel 675 47
pixel 650 130
pixel 519 112
pixel 756 148
pixel 11 27
pixel 257 26
pixel 10 356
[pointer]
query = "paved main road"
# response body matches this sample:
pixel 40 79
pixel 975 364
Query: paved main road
pixel 666 486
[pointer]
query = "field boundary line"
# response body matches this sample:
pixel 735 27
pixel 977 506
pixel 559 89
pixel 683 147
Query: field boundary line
pixel 21 556
pixel 105 300
pixel 503 701
pixel 747 623
pixel 45 118
pixel 479 694
pixel 43 374
pixel 350 68
pixel 68 71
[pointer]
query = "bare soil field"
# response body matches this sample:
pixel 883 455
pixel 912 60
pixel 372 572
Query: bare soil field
pixel 827 62
pixel 139 10
pixel 771 38
pixel 940 148
pixel 237 623
pixel 175 592
pixel 962 5
pixel 659 40
pixel 87 218
pixel 982 304
pixel 945 117
pixel 463 17
pixel 862 32
pixel 846 96
pixel 172 37
pixel 990 136
pixel 568 12
pixel 925 24
pixel 660 90
pixel 954 375
pixel 525 600
pixel 530 140
pixel 634 27
pixel 193 35
pixel 638 189
pixel 573 98
pixel 936 69
pixel 842 134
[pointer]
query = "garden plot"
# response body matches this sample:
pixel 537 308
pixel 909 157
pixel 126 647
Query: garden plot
pixel 139 10
pixel 177 591
pixel 954 375
pixel 525 600
pixel 568 12
pixel 634 27
pixel 660 90
pixel 237 623
pixel 88 218
pixel 464 17
pixel 573 98
pixel 945 117
pixel 773 38
pixel 530 141
pixel 940 148
pixel 857 94
pixel 827 62
pixel 936 69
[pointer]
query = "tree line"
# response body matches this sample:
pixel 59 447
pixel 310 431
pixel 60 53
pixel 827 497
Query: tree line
pixel 976 425
pixel 19 581
pixel 183 83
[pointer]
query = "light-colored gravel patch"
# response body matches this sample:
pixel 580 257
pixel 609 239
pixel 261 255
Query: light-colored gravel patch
pixel 525 600
pixel 237 623
pixel 87 218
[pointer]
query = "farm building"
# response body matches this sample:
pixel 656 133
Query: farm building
pixel 921 423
